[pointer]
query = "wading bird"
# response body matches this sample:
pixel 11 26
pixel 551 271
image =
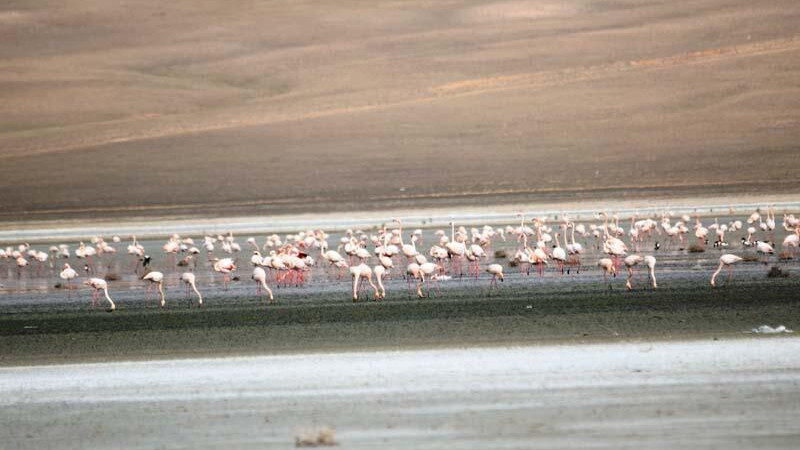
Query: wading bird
pixel 726 260
pixel 496 270
pixel 68 274
pixel 189 279
pixel 260 277
pixel 98 285
pixel 156 278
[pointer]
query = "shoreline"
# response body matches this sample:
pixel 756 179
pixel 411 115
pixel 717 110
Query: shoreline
pixel 58 230
pixel 574 342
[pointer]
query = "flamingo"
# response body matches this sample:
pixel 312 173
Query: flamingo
pixel 577 248
pixel 256 259
pixel 189 279
pixel 98 284
pixel 633 260
pixel 474 254
pixel 156 278
pixel 387 262
pixel 412 271
pixel 260 277
pixel 771 221
pixel 726 260
pixel 558 254
pixel 523 260
pixel 630 262
pixel 252 242
pixel 171 248
pixel 334 258
pixel 380 271
pixel 224 266
pixel 278 265
pixel 539 257
pixel 408 250
pixel 438 253
pixel 359 273
pixel 41 258
pixel 361 253
pixel 431 271
pixel 616 248
pixel 134 249
pixel 792 241
pixel 297 266
pixel 68 273
pixel 608 267
pixel 21 262
pixel 765 249
pixel 651 268
pixel 456 250
pixel 496 270
pixel 700 232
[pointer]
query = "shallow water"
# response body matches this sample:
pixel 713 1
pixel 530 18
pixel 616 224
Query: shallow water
pixel 35 284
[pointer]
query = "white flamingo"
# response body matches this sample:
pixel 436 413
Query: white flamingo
pixel 156 278
pixel 68 274
pixel 726 260
pixel 380 271
pixel 260 277
pixel 189 279
pixel 224 266
pixel 496 270
pixel 362 272
pixel 98 284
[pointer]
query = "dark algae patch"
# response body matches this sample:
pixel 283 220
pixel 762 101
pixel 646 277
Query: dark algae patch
pixel 462 316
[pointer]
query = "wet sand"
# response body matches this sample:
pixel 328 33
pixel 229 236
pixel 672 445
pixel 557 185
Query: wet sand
pixel 731 393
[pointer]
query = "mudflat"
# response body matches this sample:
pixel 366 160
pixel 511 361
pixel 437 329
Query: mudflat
pixel 523 312
pixel 736 393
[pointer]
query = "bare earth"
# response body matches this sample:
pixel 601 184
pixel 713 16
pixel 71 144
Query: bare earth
pixel 274 107
pixel 732 393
